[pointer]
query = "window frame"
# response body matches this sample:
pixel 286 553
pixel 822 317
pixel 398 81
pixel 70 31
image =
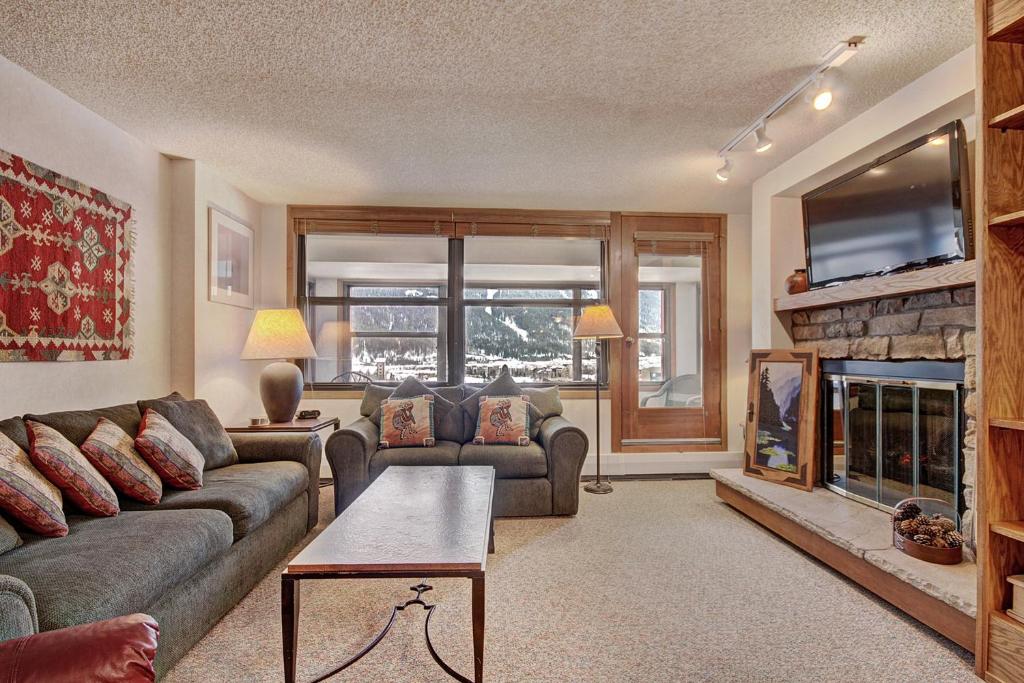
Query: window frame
pixel 451 304
pixel 667 336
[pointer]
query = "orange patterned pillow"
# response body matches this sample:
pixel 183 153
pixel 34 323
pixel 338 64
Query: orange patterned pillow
pixel 407 422
pixel 503 419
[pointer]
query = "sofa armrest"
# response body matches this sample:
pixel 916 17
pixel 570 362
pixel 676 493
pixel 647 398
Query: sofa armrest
pixel 17 609
pixel 348 453
pixel 566 447
pixel 305 449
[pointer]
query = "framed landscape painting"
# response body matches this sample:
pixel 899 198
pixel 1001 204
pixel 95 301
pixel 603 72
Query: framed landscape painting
pixel 781 429
pixel 231 260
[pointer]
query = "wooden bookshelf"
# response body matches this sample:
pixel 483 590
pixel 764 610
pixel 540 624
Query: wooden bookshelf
pixel 999 212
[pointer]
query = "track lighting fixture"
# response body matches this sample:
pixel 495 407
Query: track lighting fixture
pixel 723 173
pixel 762 142
pixel 813 87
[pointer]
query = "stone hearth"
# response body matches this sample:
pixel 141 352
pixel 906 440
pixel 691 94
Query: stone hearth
pixel 931 326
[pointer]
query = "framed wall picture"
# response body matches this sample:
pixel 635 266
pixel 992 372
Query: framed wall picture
pixel 232 247
pixel 782 417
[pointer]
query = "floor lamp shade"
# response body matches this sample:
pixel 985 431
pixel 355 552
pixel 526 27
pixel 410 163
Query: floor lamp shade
pixel 279 334
pixel 597 323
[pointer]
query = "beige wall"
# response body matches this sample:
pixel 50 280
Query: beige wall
pixel 48 128
pixel 936 98
pixel 208 337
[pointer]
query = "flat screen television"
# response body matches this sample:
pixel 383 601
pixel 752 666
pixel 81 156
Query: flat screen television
pixel 908 209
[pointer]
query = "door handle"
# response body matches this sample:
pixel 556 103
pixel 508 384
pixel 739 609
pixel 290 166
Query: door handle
pixel 629 341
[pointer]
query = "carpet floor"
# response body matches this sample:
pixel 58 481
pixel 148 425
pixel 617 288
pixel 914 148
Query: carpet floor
pixel 659 581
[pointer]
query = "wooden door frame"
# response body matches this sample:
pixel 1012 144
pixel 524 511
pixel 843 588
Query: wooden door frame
pixel 618 252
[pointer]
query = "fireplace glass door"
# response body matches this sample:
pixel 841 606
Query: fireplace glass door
pixel 884 440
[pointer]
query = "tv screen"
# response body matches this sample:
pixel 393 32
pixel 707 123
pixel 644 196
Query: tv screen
pixel 903 210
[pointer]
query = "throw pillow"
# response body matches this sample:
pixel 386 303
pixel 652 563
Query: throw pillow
pixel 503 419
pixel 502 385
pixel 178 462
pixel 407 422
pixel 26 495
pixel 198 423
pixel 112 451
pixel 447 415
pixel 9 538
pixel 62 463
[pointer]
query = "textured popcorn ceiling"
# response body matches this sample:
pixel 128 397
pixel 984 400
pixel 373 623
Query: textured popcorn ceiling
pixel 617 105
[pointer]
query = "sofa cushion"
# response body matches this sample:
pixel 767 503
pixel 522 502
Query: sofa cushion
pixel 112 451
pixel 109 566
pixel 77 425
pixel 502 385
pixel 447 412
pixel 176 459
pixel 442 453
pixel 14 429
pixel 503 420
pixel 548 400
pixel 373 394
pixel 509 462
pixel 26 495
pixel 407 422
pixel 198 423
pixel 249 493
pixel 9 538
pixel 62 463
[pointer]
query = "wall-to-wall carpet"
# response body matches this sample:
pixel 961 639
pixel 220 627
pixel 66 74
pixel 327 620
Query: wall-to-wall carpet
pixel 65 268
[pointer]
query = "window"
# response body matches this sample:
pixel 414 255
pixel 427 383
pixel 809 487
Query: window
pixel 381 308
pixel 376 308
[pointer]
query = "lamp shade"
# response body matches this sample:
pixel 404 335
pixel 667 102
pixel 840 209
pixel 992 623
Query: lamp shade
pixel 597 322
pixel 278 333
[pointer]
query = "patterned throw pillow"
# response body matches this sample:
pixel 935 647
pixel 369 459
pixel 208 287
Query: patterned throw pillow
pixel 503 419
pixel 112 452
pixel 175 459
pixel 61 462
pixel 26 495
pixel 407 422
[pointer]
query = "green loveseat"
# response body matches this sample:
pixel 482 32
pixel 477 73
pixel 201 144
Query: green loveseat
pixel 186 561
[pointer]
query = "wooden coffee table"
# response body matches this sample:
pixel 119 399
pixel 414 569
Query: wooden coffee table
pixel 411 522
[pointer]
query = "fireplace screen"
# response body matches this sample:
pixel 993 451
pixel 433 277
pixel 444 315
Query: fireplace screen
pixel 888 438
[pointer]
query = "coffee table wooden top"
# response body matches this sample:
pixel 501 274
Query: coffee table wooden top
pixel 410 520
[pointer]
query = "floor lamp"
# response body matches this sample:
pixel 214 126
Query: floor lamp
pixel 597 323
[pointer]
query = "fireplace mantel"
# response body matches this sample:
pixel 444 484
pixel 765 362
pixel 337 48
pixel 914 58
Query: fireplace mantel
pixel 951 276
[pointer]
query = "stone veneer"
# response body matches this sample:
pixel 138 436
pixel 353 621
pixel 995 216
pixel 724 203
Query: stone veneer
pixel 932 326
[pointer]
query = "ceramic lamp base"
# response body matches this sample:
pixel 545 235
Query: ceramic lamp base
pixel 281 390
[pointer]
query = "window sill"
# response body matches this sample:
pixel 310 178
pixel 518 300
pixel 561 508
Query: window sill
pixel 571 393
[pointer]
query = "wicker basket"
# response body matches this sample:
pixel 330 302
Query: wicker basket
pixel 931 513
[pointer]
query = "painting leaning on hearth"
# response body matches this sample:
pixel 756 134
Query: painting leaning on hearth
pixel 66 286
pixel 781 416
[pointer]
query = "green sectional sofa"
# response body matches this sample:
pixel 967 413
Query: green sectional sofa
pixel 186 561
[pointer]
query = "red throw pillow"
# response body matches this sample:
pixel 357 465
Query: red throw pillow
pixel 26 495
pixel 178 462
pixel 112 451
pixel 61 462
pixel 119 650
pixel 503 419
pixel 406 422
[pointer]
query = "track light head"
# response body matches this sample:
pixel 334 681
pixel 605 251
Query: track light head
pixel 822 99
pixel 725 171
pixel 762 142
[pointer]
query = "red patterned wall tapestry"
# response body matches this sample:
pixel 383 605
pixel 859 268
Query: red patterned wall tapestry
pixel 65 268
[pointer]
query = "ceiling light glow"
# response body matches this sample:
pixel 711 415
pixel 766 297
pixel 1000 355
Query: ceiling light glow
pixel 822 99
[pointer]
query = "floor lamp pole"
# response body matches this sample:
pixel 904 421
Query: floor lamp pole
pixel 597 486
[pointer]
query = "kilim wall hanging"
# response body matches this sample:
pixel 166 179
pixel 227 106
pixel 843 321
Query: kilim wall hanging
pixel 65 268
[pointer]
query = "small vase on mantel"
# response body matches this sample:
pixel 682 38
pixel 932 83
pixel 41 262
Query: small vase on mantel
pixel 797 282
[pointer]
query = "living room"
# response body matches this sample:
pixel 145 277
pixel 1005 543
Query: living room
pixel 308 313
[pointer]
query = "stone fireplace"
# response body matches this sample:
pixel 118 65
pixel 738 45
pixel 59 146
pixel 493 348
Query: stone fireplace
pixel 933 326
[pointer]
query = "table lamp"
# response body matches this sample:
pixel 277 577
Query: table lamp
pixel 597 323
pixel 279 334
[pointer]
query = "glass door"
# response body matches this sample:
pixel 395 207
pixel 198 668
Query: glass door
pixel 862 440
pixel 671 357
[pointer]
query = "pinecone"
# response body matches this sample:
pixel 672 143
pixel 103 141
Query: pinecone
pixel 901 515
pixel 954 536
pixel 953 542
pixel 908 527
pixel 947 524
pixel 932 530
pixel 923 540
pixel 911 509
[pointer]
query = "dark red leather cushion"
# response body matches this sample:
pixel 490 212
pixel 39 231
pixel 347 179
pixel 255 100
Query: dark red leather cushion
pixel 118 650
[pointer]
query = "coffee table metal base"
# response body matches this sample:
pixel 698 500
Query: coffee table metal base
pixel 290 630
